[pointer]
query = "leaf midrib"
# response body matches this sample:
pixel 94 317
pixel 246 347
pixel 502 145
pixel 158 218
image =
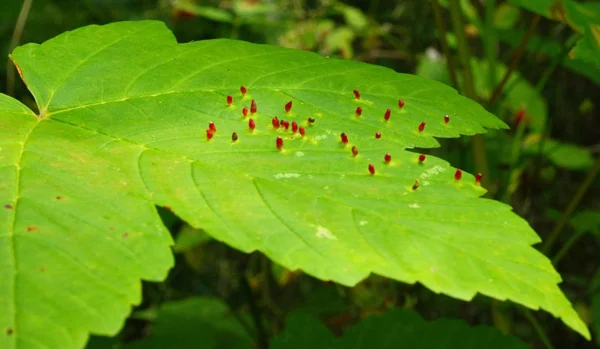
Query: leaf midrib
pixel 11 232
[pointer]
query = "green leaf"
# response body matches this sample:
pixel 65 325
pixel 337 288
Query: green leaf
pixel 587 49
pixel 195 323
pixel 582 17
pixel 209 12
pixel 189 237
pixel 553 49
pixel 587 221
pixel 566 155
pixel 302 330
pixel 122 127
pixel 506 16
pixel 393 329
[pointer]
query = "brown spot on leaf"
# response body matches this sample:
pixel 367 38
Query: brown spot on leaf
pixel 32 228
pixel 9 331
pixel 125 235
pixel 111 228
pixel 8 207
pixel 59 198
pixel 42 268
pixel 416 185
pixel 168 208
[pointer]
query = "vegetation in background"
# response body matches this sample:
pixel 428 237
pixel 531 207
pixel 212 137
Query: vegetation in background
pixel 532 64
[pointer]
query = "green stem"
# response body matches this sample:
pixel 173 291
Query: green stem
pixel 463 48
pixel 548 72
pixel 479 148
pixel 14 42
pixel 262 340
pixel 490 42
pixel 441 25
pixel 538 328
pixel 516 58
pixel 566 247
pixel 515 155
pixel 589 179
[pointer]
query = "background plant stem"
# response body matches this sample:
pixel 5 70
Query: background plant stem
pixel 14 42
pixel 591 175
pixel 478 142
pixel 538 329
pixel 441 25
pixel 516 58
pixel 489 40
pixel 262 341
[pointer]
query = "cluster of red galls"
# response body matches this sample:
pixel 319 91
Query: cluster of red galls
pixel 344 138
pixel 275 121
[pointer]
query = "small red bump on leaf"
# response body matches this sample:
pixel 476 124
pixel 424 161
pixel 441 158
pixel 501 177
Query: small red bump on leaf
pixel 358 111
pixel 387 115
pixel 229 100
pixel 400 103
pixel 288 106
pixel 356 94
pixel 285 124
pixel 311 120
pixel 344 138
pixel 251 124
pixel 422 126
pixel 294 126
pixel 275 122
pixel 243 90
pixel 212 127
pixel 446 119
pixel 458 174
pixel 209 134
pixel 371 169
pixel 478 179
pixel 354 150
pixel 234 136
pixel 253 107
pixel 279 143
pixel 378 135
pixel 302 131
pixel 387 158
pixel 416 185
pixel 421 157
pixel 245 111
